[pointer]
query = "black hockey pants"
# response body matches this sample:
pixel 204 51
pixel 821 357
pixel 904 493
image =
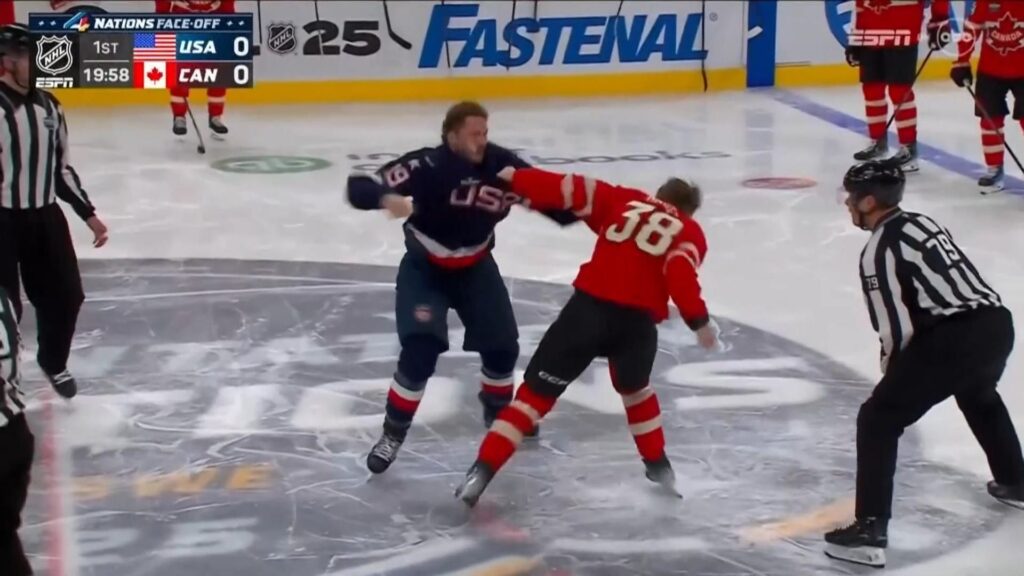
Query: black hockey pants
pixel 35 245
pixel 963 356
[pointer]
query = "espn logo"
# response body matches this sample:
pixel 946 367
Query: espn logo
pixel 55 82
pixel 881 38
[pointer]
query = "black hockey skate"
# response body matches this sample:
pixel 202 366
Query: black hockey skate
pixel 179 127
pixel 876 150
pixel 1009 495
pixel 863 542
pixel 992 182
pixel 476 481
pixel 63 383
pixel 492 409
pixel 385 450
pixel 217 126
pixel 660 472
pixel 906 158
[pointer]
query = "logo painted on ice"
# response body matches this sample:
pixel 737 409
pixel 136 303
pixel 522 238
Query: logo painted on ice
pixel 839 15
pixel 588 39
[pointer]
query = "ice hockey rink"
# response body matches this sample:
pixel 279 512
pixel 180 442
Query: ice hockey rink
pixel 237 341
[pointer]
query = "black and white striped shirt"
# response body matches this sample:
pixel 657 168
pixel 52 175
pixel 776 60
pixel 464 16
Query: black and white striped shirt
pixel 914 275
pixel 11 400
pixel 34 168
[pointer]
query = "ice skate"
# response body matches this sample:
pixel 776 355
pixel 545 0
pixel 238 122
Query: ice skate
pixel 384 451
pixel 217 126
pixel 1009 495
pixel 993 181
pixel 476 481
pixel 660 472
pixel 63 383
pixel 906 158
pixel 874 151
pixel 179 127
pixel 863 542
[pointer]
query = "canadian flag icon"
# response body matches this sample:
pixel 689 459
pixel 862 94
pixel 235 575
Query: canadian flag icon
pixel 150 74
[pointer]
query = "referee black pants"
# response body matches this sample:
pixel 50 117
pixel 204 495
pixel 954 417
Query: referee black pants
pixel 36 246
pixel 17 447
pixel 963 356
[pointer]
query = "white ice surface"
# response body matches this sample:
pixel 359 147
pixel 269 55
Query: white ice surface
pixel 784 261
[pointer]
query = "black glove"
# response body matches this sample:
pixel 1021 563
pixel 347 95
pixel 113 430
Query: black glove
pixel 961 75
pixel 853 55
pixel 939 34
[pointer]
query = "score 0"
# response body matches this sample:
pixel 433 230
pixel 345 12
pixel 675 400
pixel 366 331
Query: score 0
pixel 242 72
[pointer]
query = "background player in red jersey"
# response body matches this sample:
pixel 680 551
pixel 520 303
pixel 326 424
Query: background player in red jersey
pixel 1000 28
pixel 215 97
pixel 891 63
pixel 648 250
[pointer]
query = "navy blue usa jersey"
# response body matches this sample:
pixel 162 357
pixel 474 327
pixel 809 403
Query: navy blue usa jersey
pixel 456 203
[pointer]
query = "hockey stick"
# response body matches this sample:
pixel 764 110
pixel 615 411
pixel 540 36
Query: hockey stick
pixel 507 67
pixel 447 51
pixel 704 60
pixel 202 146
pixel 1002 132
pixel 259 29
pixel 909 91
pixel 319 37
pixel 402 41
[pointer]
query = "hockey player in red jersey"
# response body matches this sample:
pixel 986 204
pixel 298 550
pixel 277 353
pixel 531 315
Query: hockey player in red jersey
pixel 999 26
pixel 215 97
pixel 648 251
pixel 884 44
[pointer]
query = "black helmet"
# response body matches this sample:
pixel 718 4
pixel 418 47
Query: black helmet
pixel 15 38
pixel 884 180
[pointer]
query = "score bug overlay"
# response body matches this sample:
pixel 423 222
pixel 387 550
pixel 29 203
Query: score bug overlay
pixel 142 50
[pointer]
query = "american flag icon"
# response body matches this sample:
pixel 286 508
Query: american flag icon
pixel 150 46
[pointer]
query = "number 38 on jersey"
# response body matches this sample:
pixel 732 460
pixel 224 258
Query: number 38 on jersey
pixel 651 229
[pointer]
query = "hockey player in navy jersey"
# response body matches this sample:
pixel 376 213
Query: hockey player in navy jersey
pixel 456 201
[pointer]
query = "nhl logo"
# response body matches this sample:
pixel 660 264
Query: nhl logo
pixel 281 38
pixel 53 54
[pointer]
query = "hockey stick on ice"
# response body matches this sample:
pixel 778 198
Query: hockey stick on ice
pixel 202 146
pixel 909 91
pixel 394 35
pixel 1002 132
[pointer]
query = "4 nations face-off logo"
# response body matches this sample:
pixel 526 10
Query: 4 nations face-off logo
pixel 358 38
pixel 54 58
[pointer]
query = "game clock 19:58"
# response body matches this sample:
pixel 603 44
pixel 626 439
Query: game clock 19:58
pixel 109 76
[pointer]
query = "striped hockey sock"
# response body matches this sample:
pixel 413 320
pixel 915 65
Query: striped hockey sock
pixel 906 114
pixel 403 399
pixel 876 109
pixel 495 390
pixel 515 421
pixel 992 141
pixel 644 416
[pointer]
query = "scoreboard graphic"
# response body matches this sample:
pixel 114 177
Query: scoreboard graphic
pixel 142 50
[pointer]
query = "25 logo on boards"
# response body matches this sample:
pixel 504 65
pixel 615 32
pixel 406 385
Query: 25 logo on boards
pixel 358 38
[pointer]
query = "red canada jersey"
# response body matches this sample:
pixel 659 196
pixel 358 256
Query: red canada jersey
pixel 999 26
pixel 195 6
pixel 897 15
pixel 647 251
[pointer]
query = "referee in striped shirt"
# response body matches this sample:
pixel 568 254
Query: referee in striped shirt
pixel 944 332
pixel 17 446
pixel 35 242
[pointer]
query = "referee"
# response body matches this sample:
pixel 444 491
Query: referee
pixel 35 242
pixel 944 332
pixel 16 446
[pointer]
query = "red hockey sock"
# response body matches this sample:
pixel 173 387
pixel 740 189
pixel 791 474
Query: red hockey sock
pixel 496 391
pixel 906 113
pixel 992 141
pixel 178 96
pixel 215 98
pixel 644 416
pixel 876 109
pixel 520 417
